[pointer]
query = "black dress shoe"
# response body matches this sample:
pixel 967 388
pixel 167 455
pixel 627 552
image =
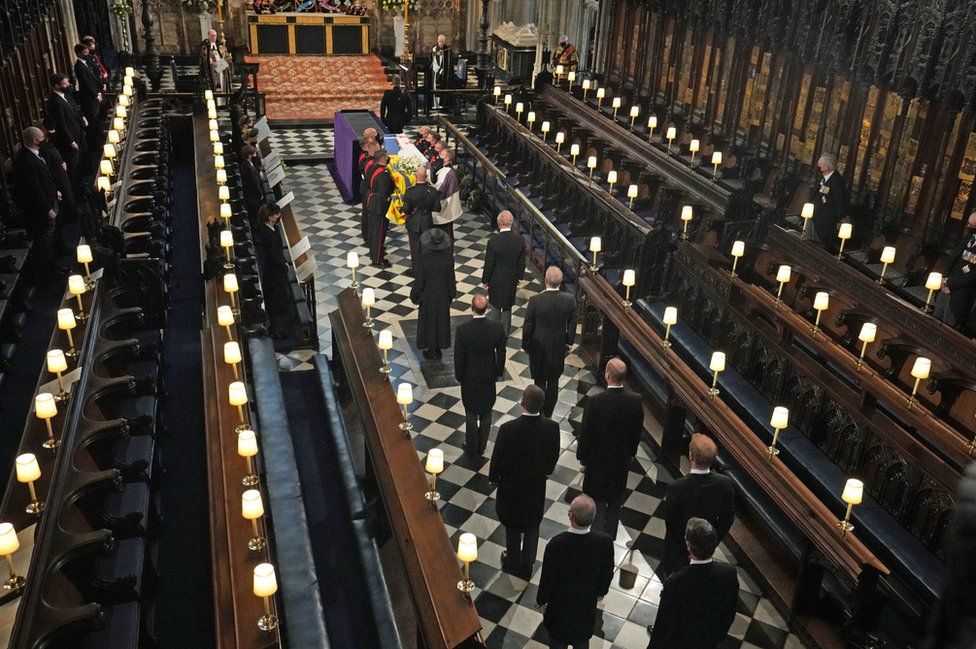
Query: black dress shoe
pixel 386 264
pixel 438 355
pixel 429 355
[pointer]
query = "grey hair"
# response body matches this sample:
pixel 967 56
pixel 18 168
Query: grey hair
pixel 554 277
pixel 829 159
pixel 583 510
pixel 32 134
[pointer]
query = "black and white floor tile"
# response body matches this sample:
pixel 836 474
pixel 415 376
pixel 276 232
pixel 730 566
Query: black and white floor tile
pixel 506 604
pixel 297 143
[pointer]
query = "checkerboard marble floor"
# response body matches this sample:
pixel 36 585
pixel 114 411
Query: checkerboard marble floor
pixel 505 603
pixel 297 142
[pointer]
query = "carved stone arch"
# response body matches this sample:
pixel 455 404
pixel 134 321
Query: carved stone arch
pixel 767 372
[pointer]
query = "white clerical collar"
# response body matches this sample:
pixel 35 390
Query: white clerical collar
pixel 615 387
pixel 531 414
pixel 827 176
pixel 698 562
pixel 477 317
pixel 701 471
pixel 505 230
pixel 574 530
pixel 552 289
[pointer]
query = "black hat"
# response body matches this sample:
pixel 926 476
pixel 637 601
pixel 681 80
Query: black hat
pixel 435 239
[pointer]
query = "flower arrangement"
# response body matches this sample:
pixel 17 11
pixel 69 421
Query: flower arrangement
pixel 408 165
pixel 198 6
pixel 122 8
pixel 397 5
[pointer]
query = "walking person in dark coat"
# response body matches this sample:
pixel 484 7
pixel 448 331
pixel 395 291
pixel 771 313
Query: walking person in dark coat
pixel 479 360
pixel 698 602
pixel 548 335
pixel 434 288
pixel 396 108
pixel 251 183
pixel 525 453
pixel 504 269
pixel 37 191
pixel 830 204
pixel 700 494
pixel 89 91
pixel 576 572
pixel 274 270
pixel 610 432
pixel 68 123
pixel 419 204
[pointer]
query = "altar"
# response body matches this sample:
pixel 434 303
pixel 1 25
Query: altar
pixel 308 33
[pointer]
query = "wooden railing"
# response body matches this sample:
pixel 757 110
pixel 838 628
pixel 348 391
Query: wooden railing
pixel 236 609
pixel 445 617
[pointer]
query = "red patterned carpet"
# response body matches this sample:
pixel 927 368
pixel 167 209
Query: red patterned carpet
pixel 314 87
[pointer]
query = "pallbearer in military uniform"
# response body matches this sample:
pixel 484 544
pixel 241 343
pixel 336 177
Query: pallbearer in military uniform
pixel 959 283
pixel 377 205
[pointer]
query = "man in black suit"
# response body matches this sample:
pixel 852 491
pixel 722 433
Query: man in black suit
pixel 700 494
pixel 504 269
pixel 377 205
pixel 610 432
pixel 548 335
pixel 251 183
pixel 959 283
pixel 576 571
pixel 274 270
pixel 479 360
pixel 89 90
pixel 37 191
pixel 419 204
pixel 68 123
pixel 525 453
pixel 698 602
pixel 830 204
pixel 396 108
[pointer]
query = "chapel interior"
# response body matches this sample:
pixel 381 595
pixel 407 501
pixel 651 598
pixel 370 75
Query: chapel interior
pixel 202 451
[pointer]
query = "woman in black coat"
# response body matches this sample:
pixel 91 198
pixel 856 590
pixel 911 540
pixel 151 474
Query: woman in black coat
pixel 434 288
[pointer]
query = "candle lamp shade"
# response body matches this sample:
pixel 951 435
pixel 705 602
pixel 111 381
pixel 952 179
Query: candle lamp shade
pixel 237 394
pixel 56 362
pixel 121 111
pixel 113 136
pixel 783 273
pixel 208 95
pixel 44 406
pixel 265 585
pixel 571 76
pixel 232 352
pixel 105 167
pixel 435 461
pixel 717 363
pixel 28 471
pixel 225 316
pixel 123 100
pixel 212 124
pixel 821 302
pixel 103 184
pixel 223 193
pixel 221 176
pixel 76 285
pixel 586 84
pixel 934 281
pixel 226 239
pixel 369 297
pixel 352 260
pixel 868 332
pixel 888 255
pixel 218 148
pixel 617 102
pixel 670 315
pixel 559 70
pixel 671 133
pixel 634 111
pixel 560 137
pixel 212 112
pixel 118 124
pixel 66 319
pixel 632 191
pixel 921 368
pixel 591 162
pixel 687 212
pixel 596 244
pixel 219 161
pixel 601 93
pixel 508 100
pixel 385 340
pixel 716 158
pixel 84 254
pixel 845 231
pixel 108 150
pixel 546 127
pixel 612 177
pixel 9 543
pixel 780 418
pixel 497 91
pixel 404 397
pixel 230 283
pixel 530 118
pixel 630 278
pixel 519 107
pixel 853 492
pixel 247 443
pixel 738 248
pixel 225 209
pixel 652 122
pixel 467 552
pixel 214 136
pixel 574 150
pixel 694 146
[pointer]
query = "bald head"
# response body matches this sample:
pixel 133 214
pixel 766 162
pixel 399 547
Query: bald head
pixel 702 451
pixel 212 35
pixel 582 511
pixel 615 373
pixel 421 174
pixel 371 133
pixel 554 277
pixel 479 304
pixel 504 219
pixel 33 136
pixel 423 131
